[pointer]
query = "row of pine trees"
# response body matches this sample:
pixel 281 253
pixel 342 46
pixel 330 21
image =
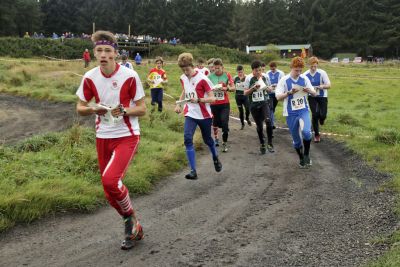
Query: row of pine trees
pixel 365 27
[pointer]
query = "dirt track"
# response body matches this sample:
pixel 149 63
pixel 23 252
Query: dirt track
pixel 260 211
pixel 22 117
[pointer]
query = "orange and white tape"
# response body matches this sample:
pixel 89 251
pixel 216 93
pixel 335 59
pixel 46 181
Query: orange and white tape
pixel 323 133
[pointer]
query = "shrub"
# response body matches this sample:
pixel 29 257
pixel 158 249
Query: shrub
pixel 347 119
pixel 38 143
pixel 388 137
pixel 26 47
pixel 15 82
pixel 210 51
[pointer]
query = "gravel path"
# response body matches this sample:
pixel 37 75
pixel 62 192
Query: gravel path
pixel 261 210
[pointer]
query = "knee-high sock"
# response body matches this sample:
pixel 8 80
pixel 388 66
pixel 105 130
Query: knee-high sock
pixel 191 155
pixel 241 114
pixel 213 150
pixel 306 144
pixel 225 136
pixel 300 152
pixel 269 134
pixel 247 112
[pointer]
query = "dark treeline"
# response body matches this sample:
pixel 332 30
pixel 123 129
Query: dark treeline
pixel 366 27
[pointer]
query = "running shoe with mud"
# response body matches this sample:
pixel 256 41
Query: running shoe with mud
pixel 270 148
pixel 217 165
pixel 317 139
pixel 248 122
pixel 307 161
pixel 302 164
pixel 224 147
pixel 263 149
pixel 131 235
pixel 192 175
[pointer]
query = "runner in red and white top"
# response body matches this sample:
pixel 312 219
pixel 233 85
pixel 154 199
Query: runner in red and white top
pixel 196 97
pixel 118 102
pixel 196 87
pixel 122 86
pixel 200 67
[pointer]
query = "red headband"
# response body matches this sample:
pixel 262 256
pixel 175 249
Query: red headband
pixel 106 42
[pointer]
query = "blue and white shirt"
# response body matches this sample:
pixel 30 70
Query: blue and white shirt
pixel 274 78
pixel 127 64
pixel 296 103
pixel 320 77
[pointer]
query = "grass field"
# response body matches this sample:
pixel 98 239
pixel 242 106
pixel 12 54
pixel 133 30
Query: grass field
pixel 363 106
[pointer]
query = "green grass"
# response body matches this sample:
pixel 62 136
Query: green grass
pixel 58 171
pixel 391 258
pixel 363 104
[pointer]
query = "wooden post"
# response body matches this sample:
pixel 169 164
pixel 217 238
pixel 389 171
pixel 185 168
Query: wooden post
pixel 94 27
pixel 129 30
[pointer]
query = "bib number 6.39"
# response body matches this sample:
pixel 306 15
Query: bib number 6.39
pixel 298 103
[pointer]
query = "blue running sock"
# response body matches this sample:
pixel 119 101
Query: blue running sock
pixel 191 155
pixel 213 151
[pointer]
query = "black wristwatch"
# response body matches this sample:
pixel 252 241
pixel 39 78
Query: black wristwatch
pixel 123 110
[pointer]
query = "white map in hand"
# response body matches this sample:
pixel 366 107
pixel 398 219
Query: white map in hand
pixel 182 102
pixel 107 118
pixel 217 87
pixel 300 92
pixel 158 81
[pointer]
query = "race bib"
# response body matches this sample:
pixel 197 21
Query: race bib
pixel 155 79
pixel 240 86
pixel 298 103
pixel 258 96
pixel 219 95
pixel 190 95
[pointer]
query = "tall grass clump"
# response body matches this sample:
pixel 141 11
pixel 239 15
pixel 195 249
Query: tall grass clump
pixel 388 137
pixel 348 119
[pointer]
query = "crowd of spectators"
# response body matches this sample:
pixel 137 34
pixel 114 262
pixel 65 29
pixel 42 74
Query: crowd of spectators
pixel 146 39
pixel 121 37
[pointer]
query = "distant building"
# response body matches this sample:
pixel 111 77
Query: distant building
pixel 288 51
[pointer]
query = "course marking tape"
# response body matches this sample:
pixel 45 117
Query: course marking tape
pixel 59 59
pixel 365 77
pixel 170 96
pixel 75 73
pixel 323 133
